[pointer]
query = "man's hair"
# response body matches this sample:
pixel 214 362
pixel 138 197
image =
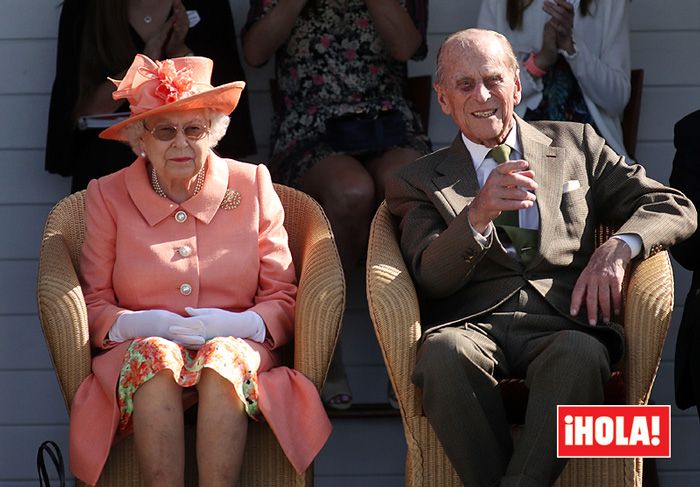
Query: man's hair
pixel 466 38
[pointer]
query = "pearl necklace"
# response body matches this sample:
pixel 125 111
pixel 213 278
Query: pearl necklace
pixel 159 190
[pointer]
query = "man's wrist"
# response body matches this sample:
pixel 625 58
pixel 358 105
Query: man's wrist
pixel 632 241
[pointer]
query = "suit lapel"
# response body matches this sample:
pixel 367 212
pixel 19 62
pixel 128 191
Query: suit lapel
pixel 456 180
pixel 547 162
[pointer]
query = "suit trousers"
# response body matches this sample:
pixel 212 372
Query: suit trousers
pixel 458 369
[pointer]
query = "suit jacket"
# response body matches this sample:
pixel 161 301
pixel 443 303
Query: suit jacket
pixel 686 177
pixel 461 279
pixel 240 260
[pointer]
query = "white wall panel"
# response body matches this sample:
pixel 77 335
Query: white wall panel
pixel 657 158
pixel 22 241
pixel 22 344
pixel 29 19
pixel 18 286
pixel 668 58
pixel 31 398
pixel 664 15
pixel 24 121
pixel 662 107
pixel 18 446
pixel 26 182
pixel 19 76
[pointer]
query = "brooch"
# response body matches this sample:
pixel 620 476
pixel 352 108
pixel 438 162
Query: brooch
pixel 231 200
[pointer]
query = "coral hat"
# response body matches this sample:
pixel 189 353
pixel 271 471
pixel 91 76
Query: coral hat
pixel 178 84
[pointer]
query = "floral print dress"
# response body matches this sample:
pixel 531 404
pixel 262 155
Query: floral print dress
pixel 333 64
pixel 232 358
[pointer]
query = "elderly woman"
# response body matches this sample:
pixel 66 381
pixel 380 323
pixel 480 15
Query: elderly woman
pixel 190 291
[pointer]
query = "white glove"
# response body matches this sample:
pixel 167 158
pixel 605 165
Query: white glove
pixel 222 323
pixel 157 322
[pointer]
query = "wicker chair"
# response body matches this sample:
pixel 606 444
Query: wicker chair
pixel 319 309
pixel 394 310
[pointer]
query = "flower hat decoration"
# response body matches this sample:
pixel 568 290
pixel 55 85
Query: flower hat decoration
pixel 157 87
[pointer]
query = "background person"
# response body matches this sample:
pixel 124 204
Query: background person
pixel 574 59
pixel 344 126
pixel 686 177
pixel 189 284
pixel 99 39
pixel 498 233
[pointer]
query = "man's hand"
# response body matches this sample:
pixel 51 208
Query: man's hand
pixel 508 187
pixel 600 283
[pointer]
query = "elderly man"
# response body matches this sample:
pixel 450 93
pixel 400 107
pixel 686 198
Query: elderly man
pixel 498 231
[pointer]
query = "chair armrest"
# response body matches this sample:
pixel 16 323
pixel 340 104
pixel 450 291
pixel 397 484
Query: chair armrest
pixel 319 310
pixel 393 307
pixel 63 315
pixel 321 291
pixel 648 308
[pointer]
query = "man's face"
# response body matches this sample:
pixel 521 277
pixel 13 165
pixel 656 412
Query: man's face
pixel 479 89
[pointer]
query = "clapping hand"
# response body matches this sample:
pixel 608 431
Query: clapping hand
pixel 179 26
pixel 562 13
pixel 169 41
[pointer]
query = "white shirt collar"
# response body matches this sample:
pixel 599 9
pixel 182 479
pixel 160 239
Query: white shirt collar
pixel 479 152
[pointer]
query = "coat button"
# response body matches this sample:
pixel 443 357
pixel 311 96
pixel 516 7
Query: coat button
pixel 185 251
pixel 180 216
pixel 185 289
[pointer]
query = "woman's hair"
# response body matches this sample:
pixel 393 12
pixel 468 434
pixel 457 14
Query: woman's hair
pixel 218 123
pixel 107 47
pixel 514 12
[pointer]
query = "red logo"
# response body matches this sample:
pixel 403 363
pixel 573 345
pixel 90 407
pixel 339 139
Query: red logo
pixel 613 431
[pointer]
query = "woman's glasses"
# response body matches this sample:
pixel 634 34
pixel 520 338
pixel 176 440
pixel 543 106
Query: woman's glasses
pixel 165 133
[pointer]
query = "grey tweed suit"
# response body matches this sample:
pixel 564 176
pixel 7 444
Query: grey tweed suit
pixel 486 314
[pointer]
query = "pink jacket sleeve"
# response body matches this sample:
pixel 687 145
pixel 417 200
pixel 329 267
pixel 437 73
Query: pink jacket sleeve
pixel 276 294
pixel 96 265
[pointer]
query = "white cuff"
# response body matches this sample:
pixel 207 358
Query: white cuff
pixel 481 239
pixel 633 240
pixel 261 332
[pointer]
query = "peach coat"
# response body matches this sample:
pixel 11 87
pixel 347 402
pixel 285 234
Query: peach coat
pixel 239 260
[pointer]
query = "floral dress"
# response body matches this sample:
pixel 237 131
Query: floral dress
pixel 232 358
pixel 333 64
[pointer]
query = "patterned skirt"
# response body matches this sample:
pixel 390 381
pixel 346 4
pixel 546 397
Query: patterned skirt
pixel 232 358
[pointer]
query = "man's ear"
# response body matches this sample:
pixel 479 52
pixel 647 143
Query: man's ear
pixel 440 90
pixel 518 95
